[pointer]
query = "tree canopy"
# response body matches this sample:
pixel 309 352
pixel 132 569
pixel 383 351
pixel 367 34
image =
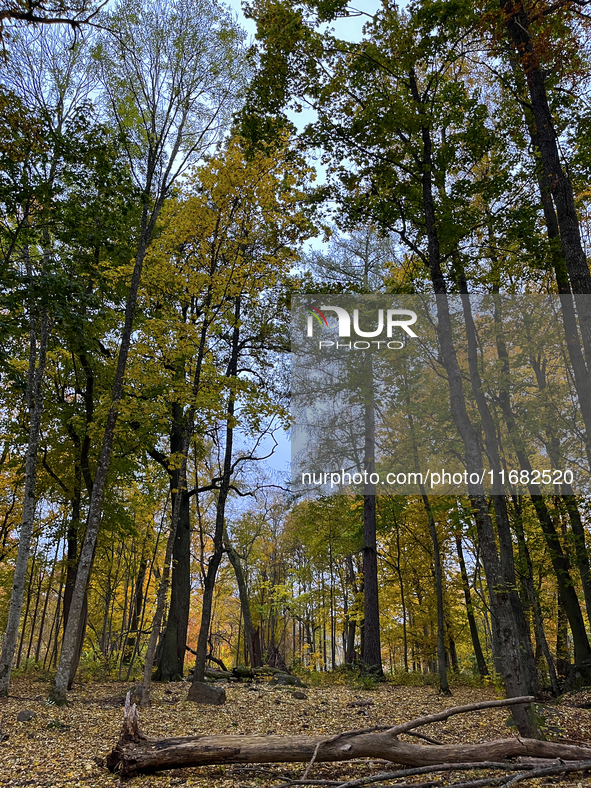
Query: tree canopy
pixel 167 194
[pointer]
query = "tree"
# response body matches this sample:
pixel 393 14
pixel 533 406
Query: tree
pixel 75 14
pixel 170 103
pixel 135 753
pixel 519 20
pixel 39 192
pixel 412 175
pixel 38 342
pixel 359 263
pixel 236 233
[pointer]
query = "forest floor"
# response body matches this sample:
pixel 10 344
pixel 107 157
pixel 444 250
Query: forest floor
pixel 66 746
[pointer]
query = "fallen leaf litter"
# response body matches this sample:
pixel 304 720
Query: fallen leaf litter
pixel 66 746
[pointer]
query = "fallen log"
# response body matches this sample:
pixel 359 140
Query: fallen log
pixel 213 673
pixel 135 753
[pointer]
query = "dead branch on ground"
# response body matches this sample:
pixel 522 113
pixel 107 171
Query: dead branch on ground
pixel 135 753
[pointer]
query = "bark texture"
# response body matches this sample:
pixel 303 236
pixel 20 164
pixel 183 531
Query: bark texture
pixel 135 753
pixel 68 652
pixel 36 371
pixel 517 24
pixel 480 661
pixel 511 644
pixel 371 653
pixel 172 659
pixel 220 517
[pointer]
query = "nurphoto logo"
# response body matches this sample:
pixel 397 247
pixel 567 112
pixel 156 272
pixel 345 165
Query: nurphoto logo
pixel 394 319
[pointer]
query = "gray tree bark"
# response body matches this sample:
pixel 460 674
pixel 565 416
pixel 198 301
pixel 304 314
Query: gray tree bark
pixel 162 589
pixel 243 593
pixel 220 514
pixel 60 686
pixel 371 652
pixel 517 24
pixel 480 661
pixel 441 667
pixel 36 371
pixel 513 655
pixel 135 753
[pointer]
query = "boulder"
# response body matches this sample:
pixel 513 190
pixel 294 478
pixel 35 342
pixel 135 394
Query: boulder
pixel 285 680
pixel 200 692
pixel 243 672
pixel 135 693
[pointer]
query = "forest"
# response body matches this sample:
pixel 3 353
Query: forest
pixel 173 192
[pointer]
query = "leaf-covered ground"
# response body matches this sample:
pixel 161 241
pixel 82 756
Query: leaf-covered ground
pixel 67 746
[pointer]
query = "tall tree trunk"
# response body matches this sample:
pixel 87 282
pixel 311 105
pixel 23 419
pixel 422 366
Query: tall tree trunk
pixel 578 531
pixel 220 517
pixel 402 601
pixel 79 642
pixel 152 572
pixel 332 616
pixel 559 559
pixel 480 661
pixel 174 640
pixel 161 595
pixel 72 557
pixel 55 624
pixel 514 657
pixel 244 600
pixel 441 667
pixel 517 24
pixel 371 655
pixel 59 689
pixel 351 621
pixel 562 650
pixel 503 527
pixel 176 516
pixel 36 371
pixel 27 606
pixel 45 604
pixel 36 610
pixel 533 599
pixel 438 569
pixel 134 620
pixel 215 560
pixel 562 271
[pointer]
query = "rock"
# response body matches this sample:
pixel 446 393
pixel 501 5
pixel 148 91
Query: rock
pixel 284 679
pixel 135 693
pixel 299 695
pixel 243 672
pixel 25 716
pixel 206 693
